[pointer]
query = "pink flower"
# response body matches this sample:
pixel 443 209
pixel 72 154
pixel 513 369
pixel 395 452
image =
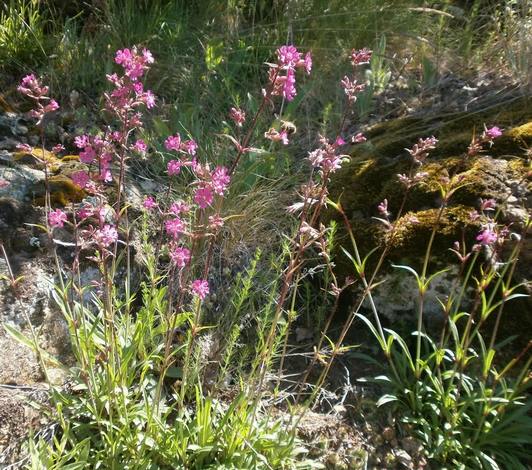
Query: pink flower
pixel 359 138
pixel 80 178
pixel 134 64
pixel 487 236
pixel 306 63
pixel 175 227
pixel 81 141
pixel 25 148
pixel 325 158
pixel 487 204
pixel 203 197
pixel 86 211
pixel 190 146
pixel 105 167
pixel 288 56
pixel 57 149
pixel 87 155
pixel 180 256
pixel 173 142
pixel 147 56
pixel 362 56
pixel 316 157
pixel 179 207
pixel 383 208
pixel 493 132
pixel 420 151
pixel 149 99
pixel 220 180
pixel 140 146
pixel 289 86
pixel 57 218
pixel 149 203
pixel 339 141
pixel 174 167
pixel 31 87
pixel 51 106
pixel 351 88
pixel 123 56
pixel 106 235
pixel 4 183
pixel 238 116
pixel 200 287
pixel 215 222
pixel 276 136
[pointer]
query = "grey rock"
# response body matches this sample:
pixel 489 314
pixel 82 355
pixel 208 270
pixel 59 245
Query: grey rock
pixel 20 179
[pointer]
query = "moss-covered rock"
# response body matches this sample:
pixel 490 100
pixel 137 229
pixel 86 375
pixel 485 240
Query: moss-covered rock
pixel 502 172
pixel 62 191
pixel 455 130
pixel 37 158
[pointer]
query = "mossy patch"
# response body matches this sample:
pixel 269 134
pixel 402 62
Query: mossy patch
pixel 455 130
pixel 70 158
pixel 62 191
pixel 37 158
pixel 414 229
pixel 371 176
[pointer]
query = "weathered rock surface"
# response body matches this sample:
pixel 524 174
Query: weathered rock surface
pixel 502 172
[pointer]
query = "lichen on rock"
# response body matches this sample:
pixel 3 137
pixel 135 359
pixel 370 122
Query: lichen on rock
pixel 502 172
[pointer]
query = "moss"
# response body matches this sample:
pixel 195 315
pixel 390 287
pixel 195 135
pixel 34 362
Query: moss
pixel 62 191
pixel 72 166
pixel 36 158
pixel 455 130
pixel 70 158
pixel 411 238
pixel 371 176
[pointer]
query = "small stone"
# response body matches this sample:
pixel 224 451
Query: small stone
pixel 9 144
pixel 403 457
pixel 388 434
pixel 411 445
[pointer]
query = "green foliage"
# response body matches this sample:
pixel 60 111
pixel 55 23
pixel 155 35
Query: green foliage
pixel 453 391
pixel 23 38
pixel 122 411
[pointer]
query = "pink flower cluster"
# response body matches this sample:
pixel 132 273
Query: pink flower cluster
pixel 99 149
pixel 200 288
pixel 57 218
pixel 106 236
pixel 31 87
pixel 352 88
pixel 134 63
pixel 419 153
pixel 175 227
pixel 175 143
pixel 487 137
pixel 238 116
pixel 359 57
pixel 282 75
pixel 180 256
pixel 326 157
pixel 488 236
pixel 129 92
pixel 210 183
pixel 276 136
